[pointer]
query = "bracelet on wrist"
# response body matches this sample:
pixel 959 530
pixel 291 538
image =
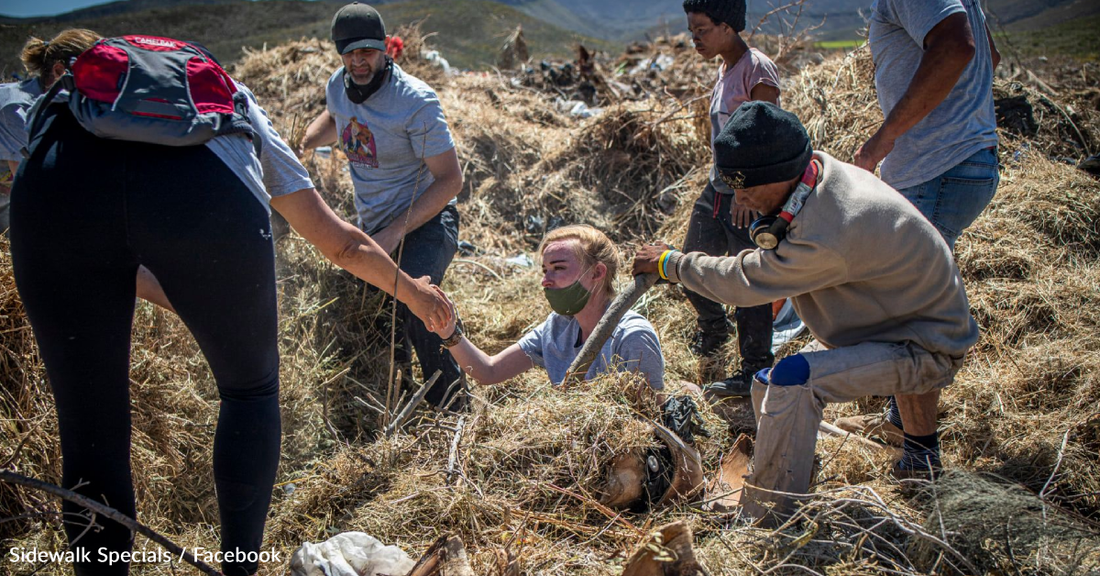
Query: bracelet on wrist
pixel 662 264
pixel 456 336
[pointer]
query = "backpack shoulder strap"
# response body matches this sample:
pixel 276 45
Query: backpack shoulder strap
pixel 38 111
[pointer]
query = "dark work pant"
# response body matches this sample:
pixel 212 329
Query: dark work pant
pixel 711 231
pixel 87 213
pixel 428 252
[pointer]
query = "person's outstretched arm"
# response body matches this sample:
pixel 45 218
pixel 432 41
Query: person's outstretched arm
pixel 353 250
pixel 509 363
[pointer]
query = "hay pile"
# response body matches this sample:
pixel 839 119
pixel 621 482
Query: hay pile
pixel 520 481
pixel 1006 528
pixel 525 461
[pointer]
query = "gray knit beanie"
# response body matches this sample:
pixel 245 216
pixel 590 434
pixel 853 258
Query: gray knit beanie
pixel 731 12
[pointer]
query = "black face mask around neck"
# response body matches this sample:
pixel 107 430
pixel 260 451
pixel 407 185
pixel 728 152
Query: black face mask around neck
pixel 359 93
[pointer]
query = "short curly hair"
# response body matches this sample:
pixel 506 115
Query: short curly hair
pixel 731 12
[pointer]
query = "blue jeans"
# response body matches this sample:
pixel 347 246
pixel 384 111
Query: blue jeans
pixel 954 199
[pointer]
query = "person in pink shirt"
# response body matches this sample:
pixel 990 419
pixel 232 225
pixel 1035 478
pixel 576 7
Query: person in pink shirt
pixel 719 226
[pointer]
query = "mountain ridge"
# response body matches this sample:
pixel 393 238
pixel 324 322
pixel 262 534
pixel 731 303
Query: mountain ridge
pixel 469 31
pixel 227 26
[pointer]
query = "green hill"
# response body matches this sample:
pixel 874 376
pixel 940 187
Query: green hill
pixel 1077 38
pixel 469 32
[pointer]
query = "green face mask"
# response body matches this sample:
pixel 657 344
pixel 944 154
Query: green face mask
pixel 569 300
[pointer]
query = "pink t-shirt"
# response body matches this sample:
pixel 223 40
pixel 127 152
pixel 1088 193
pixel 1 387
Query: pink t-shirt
pixel 734 88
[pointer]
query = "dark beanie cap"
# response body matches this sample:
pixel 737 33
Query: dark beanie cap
pixel 761 144
pixel 731 12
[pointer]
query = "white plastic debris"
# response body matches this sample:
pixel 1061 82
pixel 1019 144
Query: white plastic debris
pixel 520 260
pixel 659 64
pixel 437 59
pixel 350 554
pixel 576 108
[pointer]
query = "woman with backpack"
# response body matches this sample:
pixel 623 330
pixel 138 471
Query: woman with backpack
pixel 45 62
pixel 88 211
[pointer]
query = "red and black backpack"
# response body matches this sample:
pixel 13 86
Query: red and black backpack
pixel 151 89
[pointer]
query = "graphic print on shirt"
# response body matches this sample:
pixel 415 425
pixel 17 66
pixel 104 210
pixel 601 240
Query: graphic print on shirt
pixel 358 143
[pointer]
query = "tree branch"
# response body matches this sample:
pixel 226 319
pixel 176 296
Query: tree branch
pixel 108 512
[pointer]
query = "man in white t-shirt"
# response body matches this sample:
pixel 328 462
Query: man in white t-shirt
pixel 403 166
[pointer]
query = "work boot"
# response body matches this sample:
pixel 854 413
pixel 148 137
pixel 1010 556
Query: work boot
pixel 707 344
pixel 925 466
pixel 873 426
pixel 739 384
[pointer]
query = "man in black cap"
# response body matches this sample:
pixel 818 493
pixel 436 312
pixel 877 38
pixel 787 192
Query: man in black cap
pixel 403 166
pixel 872 279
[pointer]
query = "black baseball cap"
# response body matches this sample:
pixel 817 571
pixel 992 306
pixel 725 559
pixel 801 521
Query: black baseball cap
pixel 358 26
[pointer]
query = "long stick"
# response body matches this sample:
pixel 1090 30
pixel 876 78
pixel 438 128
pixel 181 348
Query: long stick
pixel 415 401
pixel 452 456
pixel 111 513
pixel 579 368
pixel 833 430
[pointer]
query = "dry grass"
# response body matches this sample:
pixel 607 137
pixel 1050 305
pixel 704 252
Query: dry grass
pixel 1023 408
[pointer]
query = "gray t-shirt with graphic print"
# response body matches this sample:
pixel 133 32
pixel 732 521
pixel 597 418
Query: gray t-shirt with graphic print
pixel 553 345
pixel 386 139
pixel 964 122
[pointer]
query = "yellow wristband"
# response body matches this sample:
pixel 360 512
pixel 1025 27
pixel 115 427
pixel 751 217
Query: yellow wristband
pixel 661 262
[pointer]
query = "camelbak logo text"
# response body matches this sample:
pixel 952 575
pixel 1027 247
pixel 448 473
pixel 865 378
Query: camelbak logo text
pixel 155 42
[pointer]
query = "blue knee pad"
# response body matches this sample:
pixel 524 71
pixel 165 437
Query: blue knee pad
pixel 790 371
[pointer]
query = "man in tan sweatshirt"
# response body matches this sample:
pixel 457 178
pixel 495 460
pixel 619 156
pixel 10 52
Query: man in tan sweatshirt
pixel 872 279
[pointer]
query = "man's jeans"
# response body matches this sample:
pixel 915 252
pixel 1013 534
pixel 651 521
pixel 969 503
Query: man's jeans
pixel 953 200
pixel 428 252
pixel 712 232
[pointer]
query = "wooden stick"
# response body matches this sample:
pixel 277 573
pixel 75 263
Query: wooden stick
pixel 452 457
pixel 446 557
pixel 415 401
pixel 606 326
pixel 108 512
pixel 832 430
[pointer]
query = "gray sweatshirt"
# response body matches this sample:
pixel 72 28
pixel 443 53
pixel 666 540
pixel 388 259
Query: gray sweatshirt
pixel 859 263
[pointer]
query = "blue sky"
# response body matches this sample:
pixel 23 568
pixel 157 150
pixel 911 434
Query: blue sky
pixel 24 8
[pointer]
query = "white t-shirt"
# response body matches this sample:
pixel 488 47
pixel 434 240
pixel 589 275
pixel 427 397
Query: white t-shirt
pixel 277 172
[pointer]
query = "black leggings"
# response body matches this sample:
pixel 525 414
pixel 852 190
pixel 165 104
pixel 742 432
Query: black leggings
pixel 87 212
